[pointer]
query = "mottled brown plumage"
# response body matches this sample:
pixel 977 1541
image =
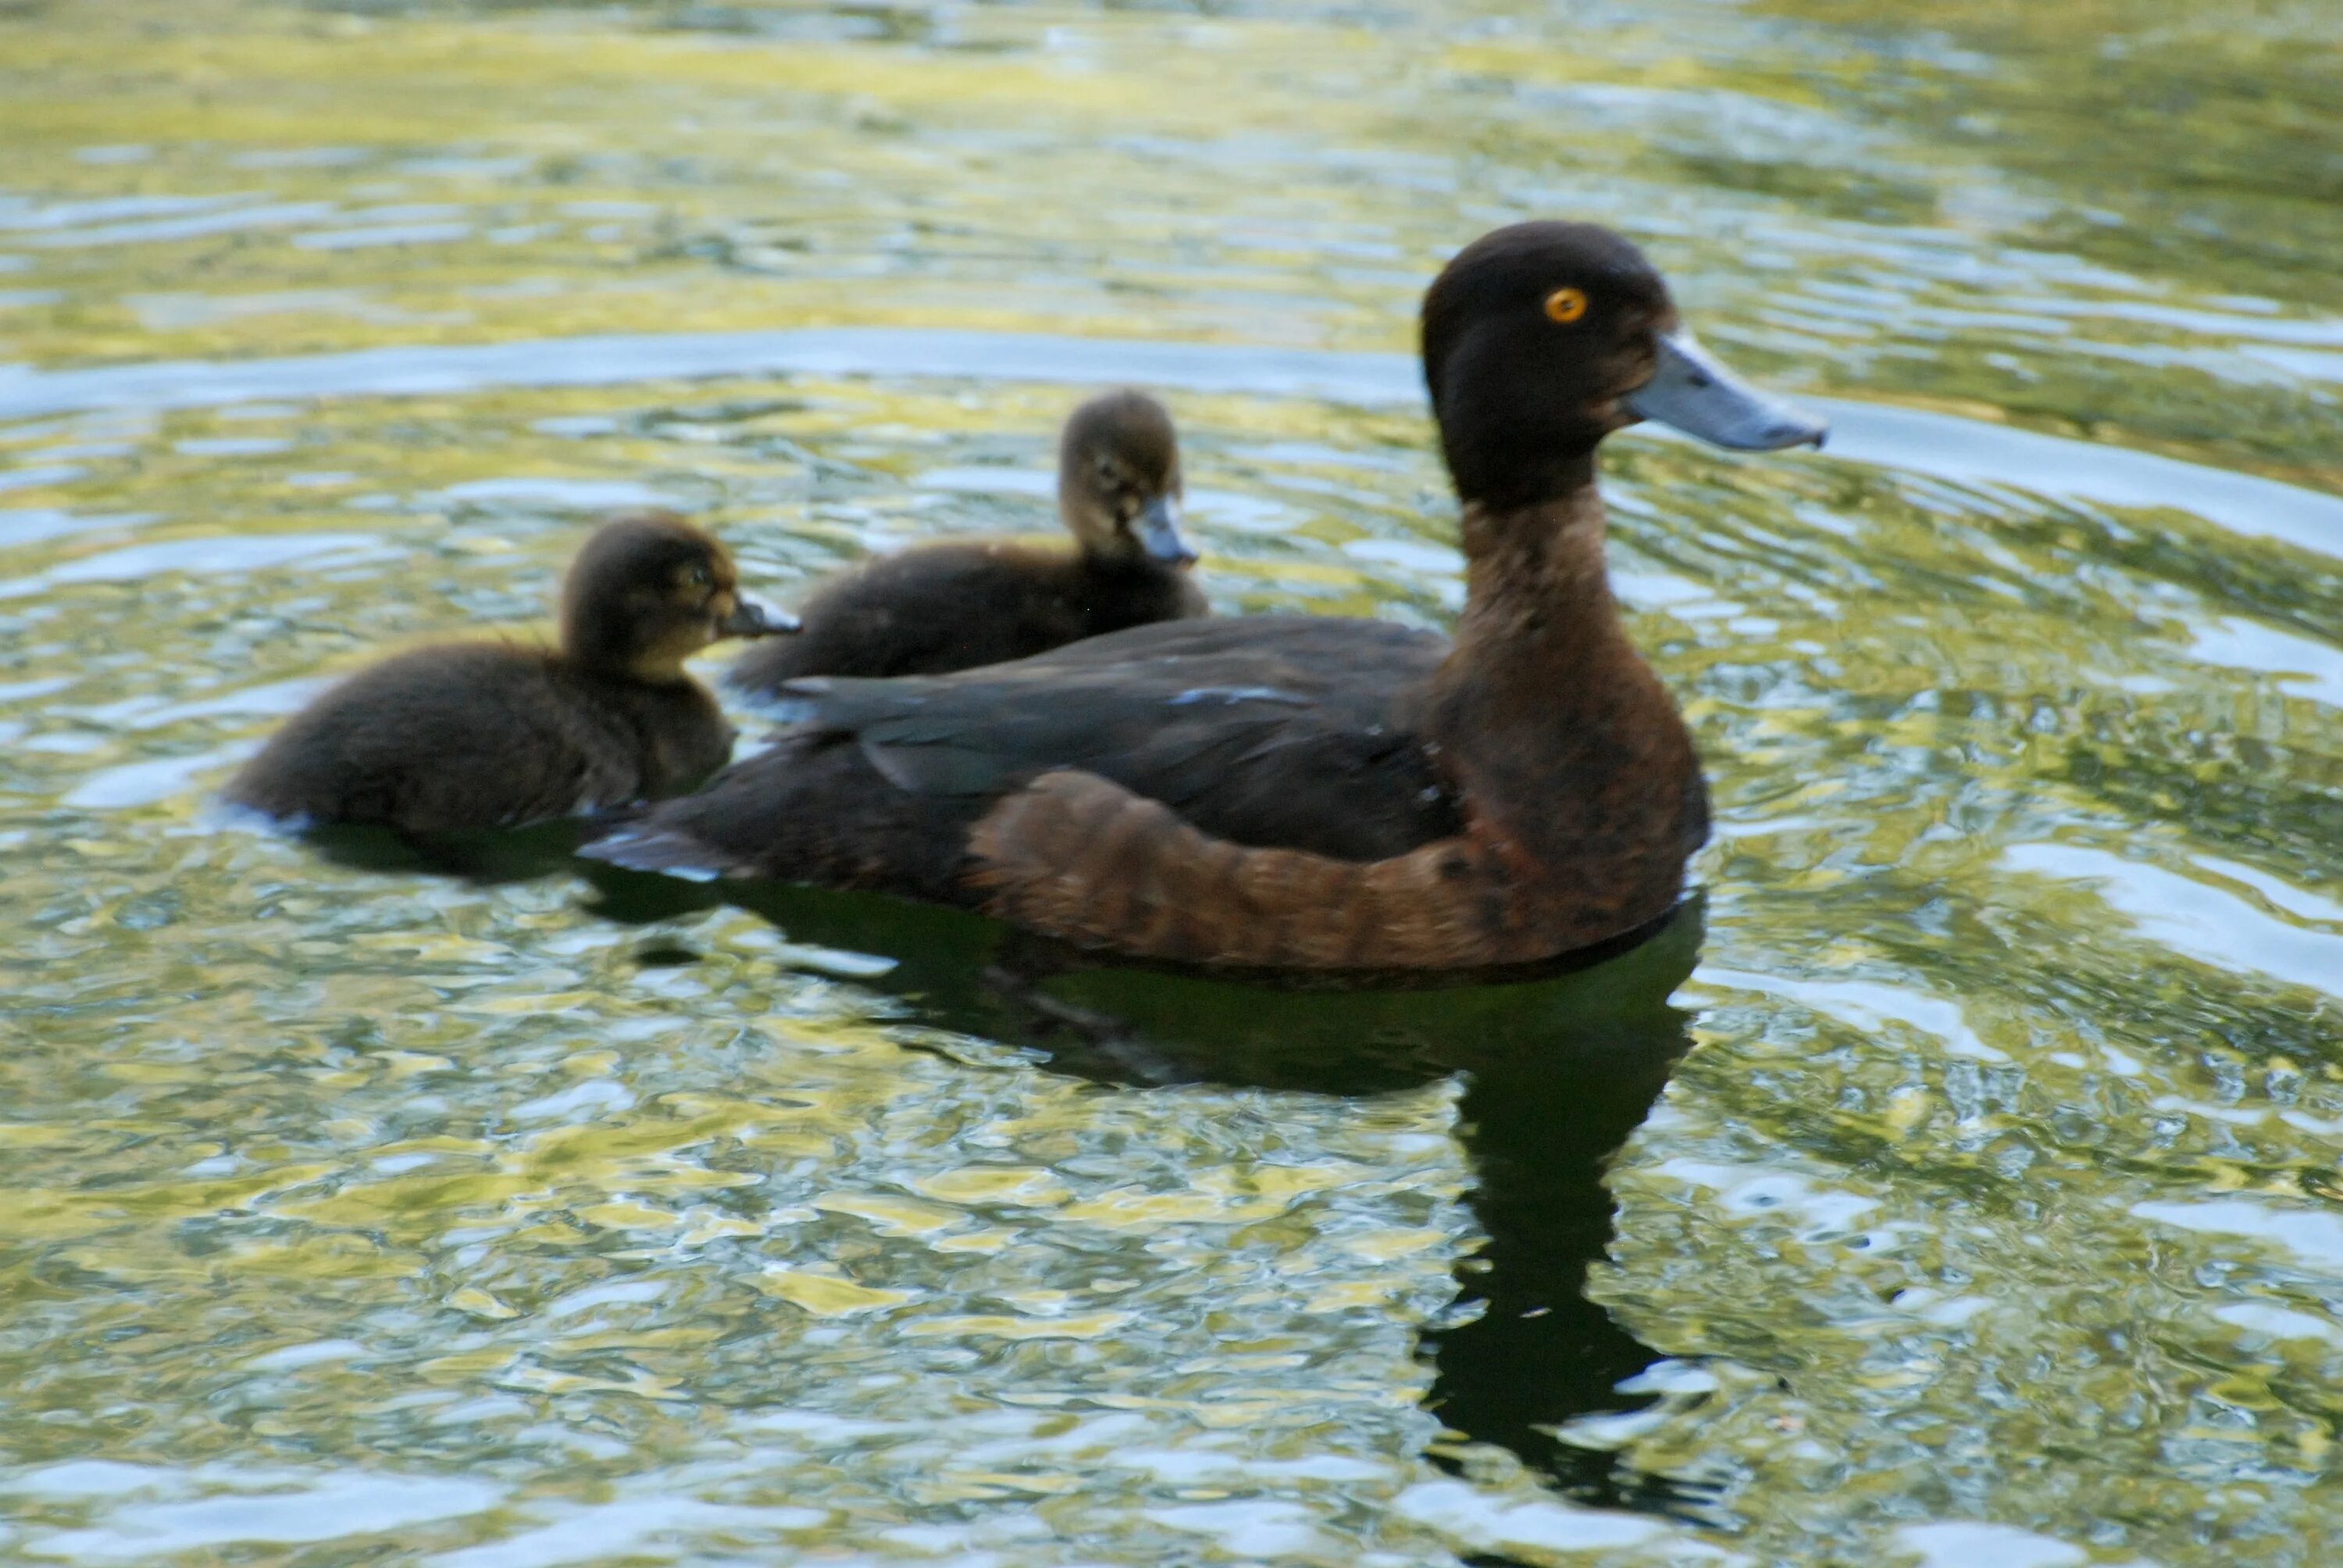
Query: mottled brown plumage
pixel 958 605
pixel 1298 793
pixel 487 735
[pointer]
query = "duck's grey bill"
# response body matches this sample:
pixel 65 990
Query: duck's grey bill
pixel 749 618
pixel 1159 532
pixel 1696 395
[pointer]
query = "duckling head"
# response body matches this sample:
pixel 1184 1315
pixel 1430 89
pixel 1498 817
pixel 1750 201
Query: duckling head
pixel 647 592
pixel 1542 339
pixel 1119 479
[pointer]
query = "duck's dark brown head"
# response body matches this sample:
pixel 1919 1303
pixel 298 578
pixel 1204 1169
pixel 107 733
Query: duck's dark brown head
pixel 1119 479
pixel 647 592
pixel 1542 339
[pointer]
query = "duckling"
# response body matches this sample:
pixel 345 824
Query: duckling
pixel 496 735
pixel 1310 794
pixel 958 605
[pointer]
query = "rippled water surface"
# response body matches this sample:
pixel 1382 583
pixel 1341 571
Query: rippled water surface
pixel 1958 1187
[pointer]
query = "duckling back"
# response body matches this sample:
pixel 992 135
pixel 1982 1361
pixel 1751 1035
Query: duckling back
pixel 481 736
pixel 959 605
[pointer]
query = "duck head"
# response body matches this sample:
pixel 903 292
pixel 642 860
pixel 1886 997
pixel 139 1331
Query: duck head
pixel 1119 479
pixel 1541 339
pixel 647 592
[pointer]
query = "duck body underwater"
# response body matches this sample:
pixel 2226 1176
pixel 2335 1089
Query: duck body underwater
pixel 1310 793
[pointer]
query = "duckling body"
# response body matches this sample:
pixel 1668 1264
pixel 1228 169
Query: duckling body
pixel 957 604
pixel 1304 793
pixel 953 606
pixel 488 735
pixel 483 735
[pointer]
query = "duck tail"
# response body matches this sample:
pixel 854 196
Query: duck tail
pixel 640 842
pixel 737 824
pixel 812 809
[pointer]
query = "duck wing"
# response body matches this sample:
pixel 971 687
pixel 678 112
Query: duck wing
pixel 1283 732
pixel 1275 731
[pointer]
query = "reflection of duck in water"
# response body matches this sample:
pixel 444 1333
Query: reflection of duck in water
pixel 1557 1072
pixel 964 603
pixel 1310 793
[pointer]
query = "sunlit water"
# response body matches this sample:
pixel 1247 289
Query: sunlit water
pixel 1975 1202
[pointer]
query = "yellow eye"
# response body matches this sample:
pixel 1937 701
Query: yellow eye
pixel 1565 305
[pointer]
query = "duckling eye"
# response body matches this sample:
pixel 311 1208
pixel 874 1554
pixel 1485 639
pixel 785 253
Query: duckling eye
pixel 1565 305
pixel 697 577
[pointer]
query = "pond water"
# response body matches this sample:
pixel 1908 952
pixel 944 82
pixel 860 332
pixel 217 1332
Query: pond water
pixel 1956 1186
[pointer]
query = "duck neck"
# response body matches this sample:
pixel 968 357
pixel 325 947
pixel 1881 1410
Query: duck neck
pixel 1538 611
pixel 1542 683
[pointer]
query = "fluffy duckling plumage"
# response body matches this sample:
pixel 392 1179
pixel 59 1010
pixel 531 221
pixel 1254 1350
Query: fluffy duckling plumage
pixel 495 734
pixel 960 604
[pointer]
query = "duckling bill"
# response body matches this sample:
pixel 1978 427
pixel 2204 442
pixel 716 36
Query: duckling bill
pixel 495 735
pixel 961 604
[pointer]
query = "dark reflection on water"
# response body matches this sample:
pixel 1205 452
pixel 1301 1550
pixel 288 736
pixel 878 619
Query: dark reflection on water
pixel 485 857
pixel 1557 1070
pixel 1540 1124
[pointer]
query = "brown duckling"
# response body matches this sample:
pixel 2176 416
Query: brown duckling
pixel 961 604
pixel 1311 793
pixel 495 735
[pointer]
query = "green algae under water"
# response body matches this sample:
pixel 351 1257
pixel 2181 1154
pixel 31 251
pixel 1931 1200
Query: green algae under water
pixel 1957 1187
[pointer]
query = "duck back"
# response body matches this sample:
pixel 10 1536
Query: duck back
pixel 482 735
pixel 1289 731
pixel 953 607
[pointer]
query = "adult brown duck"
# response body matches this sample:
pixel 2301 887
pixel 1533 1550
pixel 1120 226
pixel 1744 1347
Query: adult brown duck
pixel 1300 793
pixel 496 735
pixel 961 604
